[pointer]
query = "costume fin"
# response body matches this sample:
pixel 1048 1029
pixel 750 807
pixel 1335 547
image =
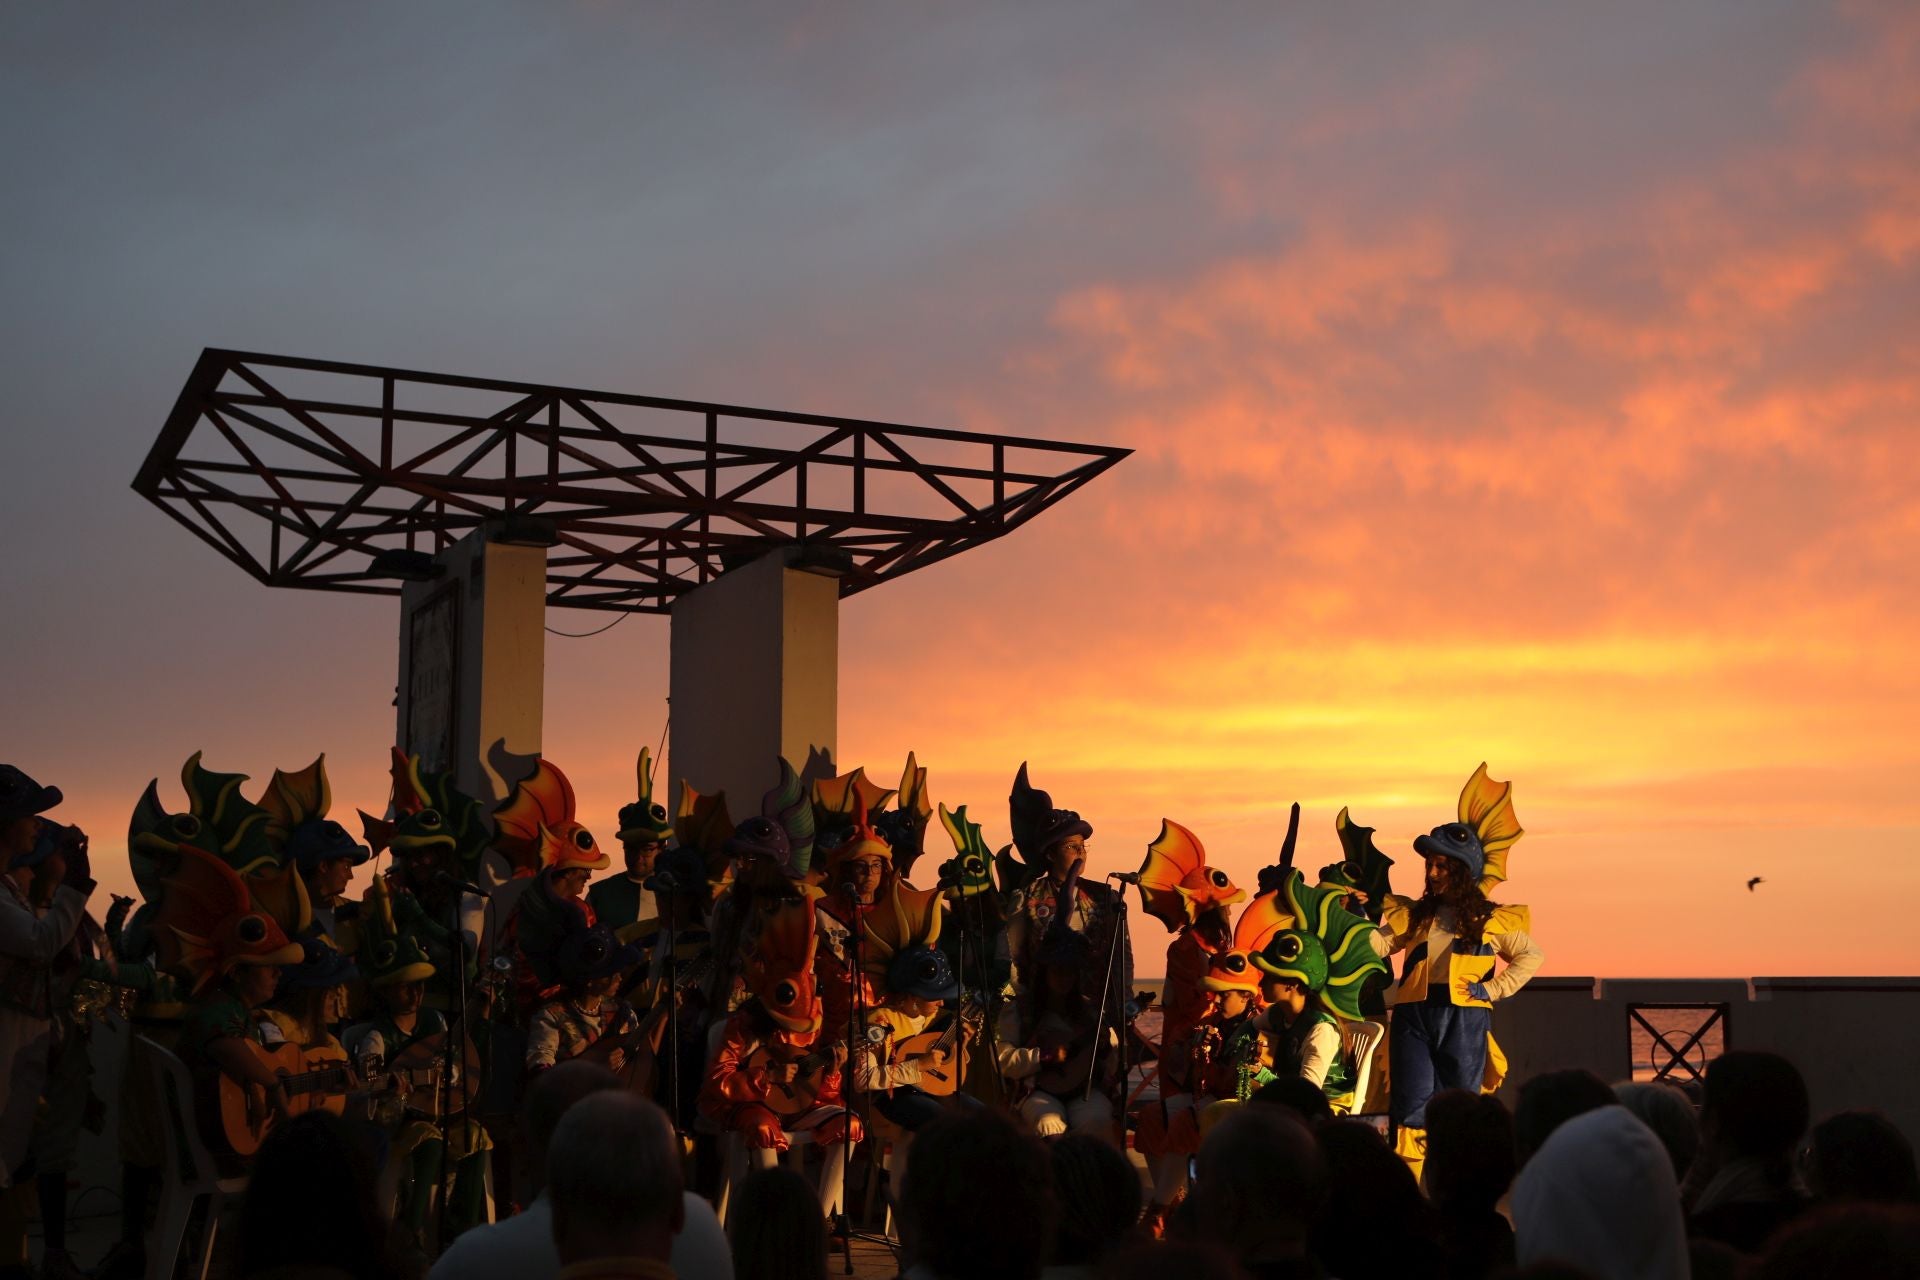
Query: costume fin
pixel 1487 807
pixel 235 828
pixel 1346 937
pixel 789 807
pixel 1363 869
pixel 293 798
pixel 970 871
pixel 701 823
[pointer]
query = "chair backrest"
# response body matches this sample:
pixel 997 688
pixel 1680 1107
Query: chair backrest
pixel 1361 1038
pixel 194 1164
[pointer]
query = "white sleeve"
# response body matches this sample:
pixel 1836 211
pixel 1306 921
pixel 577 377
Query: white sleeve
pixel 543 1042
pixel 1016 1061
pixel 1319 1053
pixel 1523 956
pixel 38 938
pixel 365 1041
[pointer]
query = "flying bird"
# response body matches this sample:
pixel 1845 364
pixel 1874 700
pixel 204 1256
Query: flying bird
pixel 1756 880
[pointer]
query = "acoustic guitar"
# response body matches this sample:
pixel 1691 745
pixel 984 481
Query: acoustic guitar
pixel 944 1079
pixel 642 1073
pixel 809 1080
pixel 630 1042
pixel 1084 1055
pixel 317 1079
pixel 420 1067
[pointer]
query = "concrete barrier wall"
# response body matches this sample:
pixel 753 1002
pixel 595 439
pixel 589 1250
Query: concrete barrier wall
pixel 1857 1040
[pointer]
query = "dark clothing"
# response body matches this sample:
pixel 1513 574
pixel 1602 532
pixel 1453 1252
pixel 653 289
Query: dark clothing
pixel 1434 1046
pixel 1475 1244
pixel 1746 1225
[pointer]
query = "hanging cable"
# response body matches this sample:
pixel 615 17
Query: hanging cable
pixel 582 635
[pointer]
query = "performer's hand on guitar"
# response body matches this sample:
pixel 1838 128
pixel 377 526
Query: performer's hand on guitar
pixel 838 1054
pixel 616 1060
pixel 266 1105
pixel 783 1072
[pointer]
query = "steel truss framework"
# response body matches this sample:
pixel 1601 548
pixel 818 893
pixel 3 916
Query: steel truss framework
pixel 308 472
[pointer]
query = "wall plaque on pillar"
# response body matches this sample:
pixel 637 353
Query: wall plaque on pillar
pixel 432 701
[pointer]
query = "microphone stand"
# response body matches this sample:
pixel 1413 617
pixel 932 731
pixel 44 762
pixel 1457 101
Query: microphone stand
pixel 855 1019
pixel 672 996
pixel 456 1029
pixel 1106 989
pixel 972 929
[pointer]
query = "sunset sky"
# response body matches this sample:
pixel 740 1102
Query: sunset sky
pixel 1537 384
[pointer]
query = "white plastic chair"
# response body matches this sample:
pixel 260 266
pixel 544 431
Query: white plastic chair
pixel 1361 1040
pixel 735 1165
pixel 187 1176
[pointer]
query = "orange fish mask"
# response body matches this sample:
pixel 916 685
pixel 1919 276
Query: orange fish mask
pixel 208 924
pixel 1232 969
pixel 780 970
pixel 535 829
pixel 1177 886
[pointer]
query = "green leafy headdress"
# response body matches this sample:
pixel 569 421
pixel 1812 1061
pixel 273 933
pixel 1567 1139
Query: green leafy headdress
pixel 645 819
pixel 218 820
pixel 970 870
pixel 429 813
pixel 1327 949
pixel 387 955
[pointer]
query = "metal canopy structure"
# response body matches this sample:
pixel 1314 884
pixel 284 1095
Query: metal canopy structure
pixel 346 477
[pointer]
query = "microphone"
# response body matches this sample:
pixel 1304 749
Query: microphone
pixel 1124 877
pixel 445 880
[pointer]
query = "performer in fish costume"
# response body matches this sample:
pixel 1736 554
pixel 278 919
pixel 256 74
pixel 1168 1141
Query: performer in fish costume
pixel 537 833
pixel 216 938
pixel 772 1045
pixel 1454 938
pixel 1213 1046
pixel 974 942
pixel 217 817
pixel 904 827
pixel 859 875
pixel 1313 973
pixel 913 982
pixel 402 1032
pixel 321 849
pixel 1180 890
pixel 438 836
pixel 762 865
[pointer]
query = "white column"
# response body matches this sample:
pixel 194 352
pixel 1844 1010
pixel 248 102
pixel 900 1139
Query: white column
pixel 755 676
pixel 473 662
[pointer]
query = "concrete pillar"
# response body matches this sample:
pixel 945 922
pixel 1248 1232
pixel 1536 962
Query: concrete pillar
pixel 755 676
pixel 473 661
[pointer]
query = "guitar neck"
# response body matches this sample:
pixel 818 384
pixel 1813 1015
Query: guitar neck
pixel 324 1080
